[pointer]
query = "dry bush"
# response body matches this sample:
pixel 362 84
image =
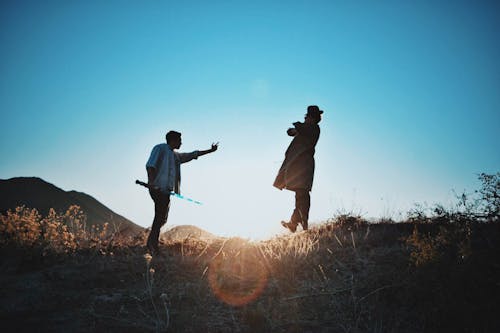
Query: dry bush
pixel 58 233
pixel 22 226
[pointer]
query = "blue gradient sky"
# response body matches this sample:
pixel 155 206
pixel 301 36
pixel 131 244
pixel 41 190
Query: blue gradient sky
pixel 411 93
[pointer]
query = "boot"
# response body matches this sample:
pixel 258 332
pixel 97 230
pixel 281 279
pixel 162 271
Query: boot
pixel 289 225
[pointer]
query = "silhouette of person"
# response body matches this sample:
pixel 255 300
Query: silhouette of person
pixel 297 171
pixel 164 176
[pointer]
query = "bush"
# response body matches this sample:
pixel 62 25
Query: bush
pixel 489 205
pixel 60 233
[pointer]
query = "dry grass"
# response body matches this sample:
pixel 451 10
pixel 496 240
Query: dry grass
pixel 343 276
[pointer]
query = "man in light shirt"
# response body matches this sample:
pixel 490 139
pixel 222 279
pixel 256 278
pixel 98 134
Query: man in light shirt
pixel 164 176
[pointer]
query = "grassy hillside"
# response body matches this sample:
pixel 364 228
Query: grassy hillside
pixel 342 276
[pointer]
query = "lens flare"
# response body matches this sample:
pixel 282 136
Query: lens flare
pixel 238 280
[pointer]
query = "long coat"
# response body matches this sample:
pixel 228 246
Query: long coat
pixel 297 170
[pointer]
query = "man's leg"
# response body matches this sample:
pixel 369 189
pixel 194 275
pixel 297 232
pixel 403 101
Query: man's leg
pixel 302 205
pixel 301 211
pixel 162 205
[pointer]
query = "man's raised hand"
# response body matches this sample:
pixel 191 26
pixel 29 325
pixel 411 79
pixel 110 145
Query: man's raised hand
pixel 208 151
pixel 215 146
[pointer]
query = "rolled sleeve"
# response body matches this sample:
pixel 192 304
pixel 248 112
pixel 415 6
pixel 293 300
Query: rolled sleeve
pixel 186 157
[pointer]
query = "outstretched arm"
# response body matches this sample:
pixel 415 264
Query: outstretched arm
pixel 208 151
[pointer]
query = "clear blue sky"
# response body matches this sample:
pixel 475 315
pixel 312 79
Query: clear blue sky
pixel 411 93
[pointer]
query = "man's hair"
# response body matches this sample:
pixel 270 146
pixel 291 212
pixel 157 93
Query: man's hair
pixel 172 135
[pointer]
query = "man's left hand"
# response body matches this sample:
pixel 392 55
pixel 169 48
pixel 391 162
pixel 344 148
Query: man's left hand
pixel 215 146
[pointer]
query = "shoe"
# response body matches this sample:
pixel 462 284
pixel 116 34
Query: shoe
pixel 289 225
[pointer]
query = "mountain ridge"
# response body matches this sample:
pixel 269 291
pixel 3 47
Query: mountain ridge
pixel 34 192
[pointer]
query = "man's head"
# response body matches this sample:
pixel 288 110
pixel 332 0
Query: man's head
pixel 314 113
pixel 173 139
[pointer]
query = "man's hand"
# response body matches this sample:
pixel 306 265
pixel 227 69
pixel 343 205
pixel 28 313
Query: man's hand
pixel 214 147
pixel 154 189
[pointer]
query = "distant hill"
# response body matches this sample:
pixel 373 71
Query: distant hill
pixel 36 193
pixel 184 231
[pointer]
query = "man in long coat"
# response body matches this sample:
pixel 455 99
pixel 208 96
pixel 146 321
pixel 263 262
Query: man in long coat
pixel 297 171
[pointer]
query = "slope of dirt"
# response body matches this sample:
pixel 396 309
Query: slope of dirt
pixel 354 278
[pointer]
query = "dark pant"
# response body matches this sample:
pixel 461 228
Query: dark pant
pixel 162 205
pixel 302 205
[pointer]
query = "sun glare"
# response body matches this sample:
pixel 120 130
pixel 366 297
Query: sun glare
pixel 237 275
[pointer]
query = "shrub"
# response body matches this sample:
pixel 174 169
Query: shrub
pixel 489 205
pixel 60 233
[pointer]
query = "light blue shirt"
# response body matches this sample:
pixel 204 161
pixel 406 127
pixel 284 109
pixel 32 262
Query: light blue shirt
pixel 167 164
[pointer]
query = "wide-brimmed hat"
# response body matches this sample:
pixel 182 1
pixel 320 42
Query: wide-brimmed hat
pixel 313 110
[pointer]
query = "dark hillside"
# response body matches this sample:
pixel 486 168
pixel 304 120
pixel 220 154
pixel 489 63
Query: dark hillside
pixel 36 193
pixel 343 276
